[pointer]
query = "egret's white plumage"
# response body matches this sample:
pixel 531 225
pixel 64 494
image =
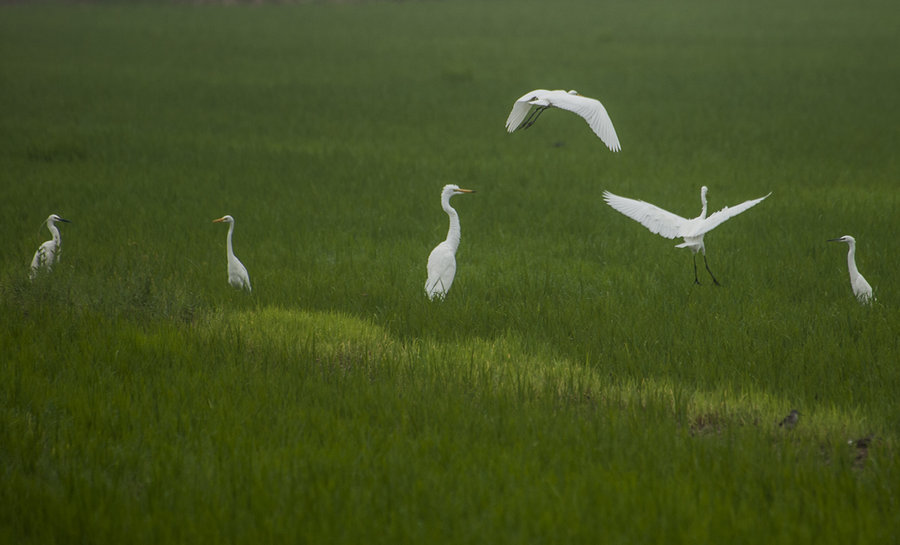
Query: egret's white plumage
pixel 861 289
pixel 442 260
pixel 47 254
pixel 669 225
pixel 590 109
pixel 237 273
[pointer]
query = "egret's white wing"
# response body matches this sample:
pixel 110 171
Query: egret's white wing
pixel 38 260
pixel 861 289
pixel 441 270
pixel 238 276
pixel 593 112
pixel 659 221
pixel 517 115
pixel 521 108
pixel 717 218
pixel 45 255
pixel 245 276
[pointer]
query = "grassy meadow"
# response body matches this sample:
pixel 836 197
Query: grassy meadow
pixel 575 385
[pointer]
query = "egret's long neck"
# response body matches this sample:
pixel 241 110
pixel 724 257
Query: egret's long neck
pixel 453 234
pixel 703 211
pixel 228 243
pixel 55 233
pixel 851 261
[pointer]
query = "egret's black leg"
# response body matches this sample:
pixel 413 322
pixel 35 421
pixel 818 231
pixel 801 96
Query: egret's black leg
pixel 696 280
pixel 533 118
pixel 527 123
pixel 709 271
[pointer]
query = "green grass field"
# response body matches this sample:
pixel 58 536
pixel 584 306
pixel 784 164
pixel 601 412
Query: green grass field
pixel 575 385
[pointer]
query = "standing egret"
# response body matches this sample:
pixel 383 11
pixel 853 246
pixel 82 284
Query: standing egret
pixel 47 254
pixel 670 225
pixel 442 260
pixel 237 273
pixel 590 109
pixel 861 289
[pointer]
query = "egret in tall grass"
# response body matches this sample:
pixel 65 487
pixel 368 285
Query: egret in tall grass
pixel 47 253
pixel 237 273
pixel 529 108
pixel 442 260
pixel 669 225
pixel 861 289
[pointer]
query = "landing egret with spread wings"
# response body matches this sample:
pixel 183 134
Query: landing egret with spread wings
pixel 529 108
pixel 47 253
pixel 237 272
pixel 442 260
pixel 861 289
pixel 669 225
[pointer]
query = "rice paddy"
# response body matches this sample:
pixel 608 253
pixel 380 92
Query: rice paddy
pixel 574 385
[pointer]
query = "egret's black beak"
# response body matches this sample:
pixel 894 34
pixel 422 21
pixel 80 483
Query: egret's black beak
pixel 66 221
pixel 834 240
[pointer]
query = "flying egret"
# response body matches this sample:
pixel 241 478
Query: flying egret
pixel 670 225
pixel 47 254
pixel 237 273
pixel 861 289
pixel 590 109
pixel 442 260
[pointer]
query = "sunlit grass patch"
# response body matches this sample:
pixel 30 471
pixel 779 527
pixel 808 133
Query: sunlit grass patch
pixel 332 335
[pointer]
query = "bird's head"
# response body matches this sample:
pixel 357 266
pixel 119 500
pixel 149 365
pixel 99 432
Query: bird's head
pixel 224 219
pixel 574 92
pixel 846 238
pixel 453 189
pixel 703 191
pixel 54 218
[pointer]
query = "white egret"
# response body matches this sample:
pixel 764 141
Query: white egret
pixel 442 260
pixel 47 254
pixel 861 289
pixel 590 109
pixel 237 273
pixel 669 225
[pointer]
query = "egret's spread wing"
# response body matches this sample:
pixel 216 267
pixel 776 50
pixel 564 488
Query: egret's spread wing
pixel 717 218
pixel 593 112
pixel 521 108
pixel 517 115
pixel 659 221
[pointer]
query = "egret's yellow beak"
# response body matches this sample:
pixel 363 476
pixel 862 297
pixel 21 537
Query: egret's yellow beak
pixel 219 220
pixel 466 190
